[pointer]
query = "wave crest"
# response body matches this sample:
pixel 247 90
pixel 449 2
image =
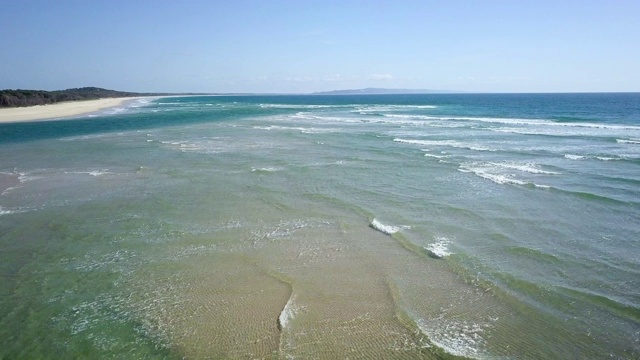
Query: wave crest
pixel 385 229
pixel 439 249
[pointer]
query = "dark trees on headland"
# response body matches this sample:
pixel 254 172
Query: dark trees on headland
pixel 18 98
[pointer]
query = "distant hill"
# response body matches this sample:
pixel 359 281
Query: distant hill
pixel 18 98
pixel 379 91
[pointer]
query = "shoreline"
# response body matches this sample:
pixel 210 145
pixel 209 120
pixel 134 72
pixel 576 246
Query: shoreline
pixel 60 110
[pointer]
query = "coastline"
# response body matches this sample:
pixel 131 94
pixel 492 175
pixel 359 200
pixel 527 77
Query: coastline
pixel 60 110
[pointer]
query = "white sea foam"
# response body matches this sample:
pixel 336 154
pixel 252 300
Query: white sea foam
pixel 556 131
pixel 317 119
pixel 628 141
pixel 266 169
pixel 318 131
pixel 319 164
pixel 92 173
pixel 523 131
pixel 18 210
pixel 458 338
pixel 114 111
pixel 413 120
pixel 287 314
pixel 496 172
pixel 283 230
pixel 606 158
pixel 385 229
pixel 207 146
pixel 496 178
pixel 528 167
pixel 584 157
pixel 384 108
pixel 439 249
pixel 436 156
pixel 398 107
pixel 522 121
pixel 4 211
pixel 9 189
pixel 277 127
pixel 575 157
pixel 298 106
pixel 446 143
pixel 24 177
pixel 142 102
pixel 489 173
pixel 304 130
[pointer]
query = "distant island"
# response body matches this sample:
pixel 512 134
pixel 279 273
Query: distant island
pixel 379 91
pixel 21 98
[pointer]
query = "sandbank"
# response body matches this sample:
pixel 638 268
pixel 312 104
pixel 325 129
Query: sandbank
pixel 59 110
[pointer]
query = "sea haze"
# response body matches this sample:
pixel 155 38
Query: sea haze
pixel 362 226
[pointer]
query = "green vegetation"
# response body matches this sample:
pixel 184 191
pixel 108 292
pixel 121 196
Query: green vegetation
pixel 18 98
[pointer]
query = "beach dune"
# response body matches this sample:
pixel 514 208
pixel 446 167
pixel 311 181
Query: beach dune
pixel 60 110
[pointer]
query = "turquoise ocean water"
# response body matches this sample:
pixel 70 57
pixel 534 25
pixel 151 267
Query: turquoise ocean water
pixel 396 226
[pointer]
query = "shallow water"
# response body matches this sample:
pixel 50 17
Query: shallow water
pixel 422 226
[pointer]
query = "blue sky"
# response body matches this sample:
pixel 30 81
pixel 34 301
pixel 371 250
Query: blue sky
pixel 306 46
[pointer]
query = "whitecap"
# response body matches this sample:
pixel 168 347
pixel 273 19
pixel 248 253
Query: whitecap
pixel 436 156
pixel 523 121
pixel 4 211
pixel 299 106
pixel 24 177
pixel 496 172
pixel 601 158
pixel 496 178
pixel 575 157
pixel 528 167
pixel 439 249
pixel 382 108
pixel 447 143
pixel 385 229
pixel 628 141
pixel 266 169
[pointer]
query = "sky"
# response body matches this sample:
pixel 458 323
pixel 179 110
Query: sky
pixel 301 46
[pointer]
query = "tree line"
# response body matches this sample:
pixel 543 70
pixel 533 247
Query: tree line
pixel 18 98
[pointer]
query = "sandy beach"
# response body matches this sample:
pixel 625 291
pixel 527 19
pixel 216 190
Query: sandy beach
pixel 60 110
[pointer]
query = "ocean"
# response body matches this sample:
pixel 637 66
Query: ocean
pixel 485 226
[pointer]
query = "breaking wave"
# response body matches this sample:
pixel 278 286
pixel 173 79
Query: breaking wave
pixel 628 141
pixel 287 314
pixel 446 143
pixel 4 211
pixel 522 121
pixel 385 229
pixel 439 249
pixel 266 169
pixel 528 168
pixel 601 158
pixel 493 173
pixel 575 157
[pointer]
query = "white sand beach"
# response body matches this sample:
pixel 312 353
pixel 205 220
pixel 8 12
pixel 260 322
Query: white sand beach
pixel 60 110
